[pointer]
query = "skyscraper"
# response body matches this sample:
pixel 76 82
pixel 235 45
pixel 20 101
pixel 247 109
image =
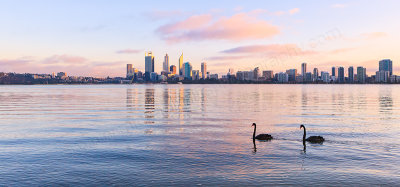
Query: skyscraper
pixel 386 65
pixel 181 65
pixel 351 74
pixel 203 70
pixel 341 75
pixel 303 70
pixel 129 70
pixel 291 74
pixel 334 71
pixel 149 62
pixel 315 74
pixel 361 74
pixel 166 63
pixel 172 69
pixel 187 70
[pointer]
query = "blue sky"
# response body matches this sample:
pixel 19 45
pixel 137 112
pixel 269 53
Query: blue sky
pixel 97 38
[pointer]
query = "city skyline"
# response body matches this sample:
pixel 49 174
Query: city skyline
pixel 74 37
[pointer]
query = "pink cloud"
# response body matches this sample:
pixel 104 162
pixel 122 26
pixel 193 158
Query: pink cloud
pixel 374 35
pixel 129 51
pixel 64 59
pixel 238 27
pixel 273 49
pixel 294 11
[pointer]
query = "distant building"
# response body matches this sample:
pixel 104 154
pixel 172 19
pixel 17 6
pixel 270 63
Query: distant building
pixel 315 74
pixel 292 73
pixel 214 76
pixel 283 77
pixel 195 75
pixel 350 72
pixel 386 65
pixel 166 63
pixel 62 75
pixel 203 70
pixel 149 62
pixel 325 77
pixel 303 70
pixel 361 74
pixel 334 70
pixel 153 76
pixel 187 70
pixel 181 65
pixel 256 73
pixel 129 71
pixel 340 77
pixel 268 75
pixel 382 76
pixel 309 77
pixel 172 69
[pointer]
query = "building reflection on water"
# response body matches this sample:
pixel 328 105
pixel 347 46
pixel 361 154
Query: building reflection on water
pixel 149 106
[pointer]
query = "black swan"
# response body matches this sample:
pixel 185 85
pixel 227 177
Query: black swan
pixel 311 139
pixel 261 136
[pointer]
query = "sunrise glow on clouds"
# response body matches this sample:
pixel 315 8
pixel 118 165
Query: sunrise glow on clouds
pixel 76 37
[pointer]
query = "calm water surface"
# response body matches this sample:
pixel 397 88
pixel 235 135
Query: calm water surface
pixel 190 135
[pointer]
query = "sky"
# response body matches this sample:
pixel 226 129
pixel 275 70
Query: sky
pixel 99 37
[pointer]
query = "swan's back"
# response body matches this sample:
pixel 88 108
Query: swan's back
pixel 315 139
pixel 264 137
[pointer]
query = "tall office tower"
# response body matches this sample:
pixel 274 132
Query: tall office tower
pixel 341 75
pixel 334 71
pixel 292 73
pixel 350 71
pixel 303 70
pixel 187 70
pixel 315 74
pixel 256 73
pixel 172 69
pixel 203 70
pixel 149 62
pixel 268 75
pixel 386 65
pixel 361 74
pixel 129 70
pixel 166 63
pixel 181 65
pixel 382 76
pixel 325 77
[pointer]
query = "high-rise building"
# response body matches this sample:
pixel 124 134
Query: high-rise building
pixel 292 73
pixel 386 65
pixel 283 77
pixel 203 70
pixel 149 62
pixel 268 75
pixel 308 77
pixel 303 70
pixel 340 75
pixel 325 77
pixel 361 74
pixel 187 70
pixel 256 73
pixel 350 72
pixel 129 70
pixel 195 75
pixel 181 65
pixel 172 69
pixel 334 71
pixel 382 76
pixel 315 74
pixel 166 63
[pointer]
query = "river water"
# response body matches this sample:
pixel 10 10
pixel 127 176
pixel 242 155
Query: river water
pixel 189 135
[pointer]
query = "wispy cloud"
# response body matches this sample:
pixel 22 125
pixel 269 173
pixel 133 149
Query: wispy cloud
pixel 373 35
pixel 129 51
pixel 238 27
pixel 162 14
pixel 64 59
pixel 272 49
pixel 339 5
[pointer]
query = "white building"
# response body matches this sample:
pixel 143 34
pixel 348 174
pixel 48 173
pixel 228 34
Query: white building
pixel 325 77
pixel 166 63
pixel 283 77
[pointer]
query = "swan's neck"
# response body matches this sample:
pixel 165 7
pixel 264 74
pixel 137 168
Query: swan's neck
pixel 304 135
pixel 254 133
